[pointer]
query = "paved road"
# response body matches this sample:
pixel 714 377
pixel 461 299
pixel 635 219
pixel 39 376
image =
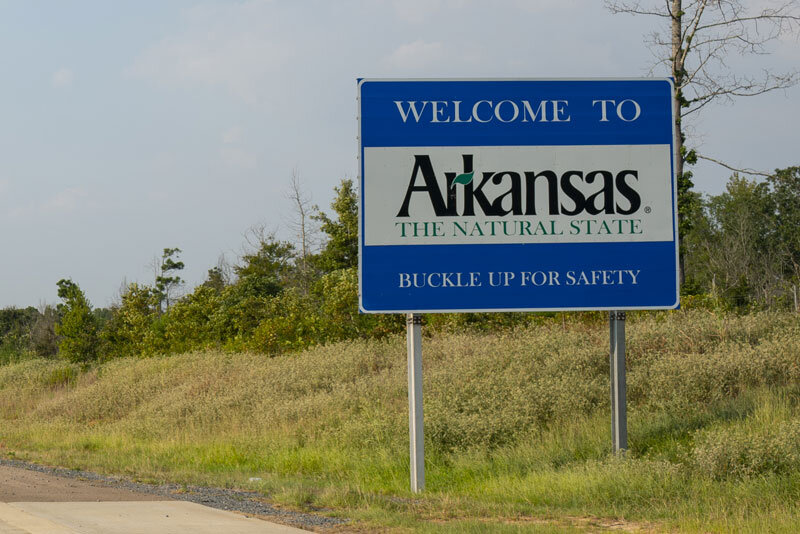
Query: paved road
pixel 38 503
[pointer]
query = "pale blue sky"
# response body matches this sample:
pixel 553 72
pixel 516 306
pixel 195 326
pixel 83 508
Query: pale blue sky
pixel 127 127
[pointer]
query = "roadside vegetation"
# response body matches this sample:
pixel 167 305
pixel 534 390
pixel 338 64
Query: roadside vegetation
pixel 741 248
pixel 517 425
pixel 265 376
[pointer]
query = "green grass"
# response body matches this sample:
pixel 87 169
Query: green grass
pixel 517 426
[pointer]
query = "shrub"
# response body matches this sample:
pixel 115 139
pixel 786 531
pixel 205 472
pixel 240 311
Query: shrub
pixel 742 451
pixel 60 376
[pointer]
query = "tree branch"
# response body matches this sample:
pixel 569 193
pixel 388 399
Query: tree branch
pixel 734 169
pixel 742 20
pixel 634 8
pixel 735 86
pixel 691 31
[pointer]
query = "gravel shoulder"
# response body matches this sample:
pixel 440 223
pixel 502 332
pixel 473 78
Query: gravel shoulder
pixel 26 482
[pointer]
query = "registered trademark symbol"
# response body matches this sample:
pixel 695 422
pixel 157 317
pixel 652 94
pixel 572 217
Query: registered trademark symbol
pixel 647 209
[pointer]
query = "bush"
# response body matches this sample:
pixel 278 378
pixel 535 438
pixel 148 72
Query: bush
pixel 61 376
pixel 741 451
pixel 687 362
pixel 494 394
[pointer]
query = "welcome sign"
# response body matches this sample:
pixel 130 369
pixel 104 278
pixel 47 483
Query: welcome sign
pixel 510 195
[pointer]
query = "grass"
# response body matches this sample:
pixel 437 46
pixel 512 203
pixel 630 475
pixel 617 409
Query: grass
pixel 517 426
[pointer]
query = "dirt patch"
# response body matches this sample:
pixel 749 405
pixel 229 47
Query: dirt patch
pixel 23 485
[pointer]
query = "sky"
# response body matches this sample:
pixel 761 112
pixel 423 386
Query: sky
pixel 128 127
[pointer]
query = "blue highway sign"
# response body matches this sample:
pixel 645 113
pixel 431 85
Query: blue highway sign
pixel 515 195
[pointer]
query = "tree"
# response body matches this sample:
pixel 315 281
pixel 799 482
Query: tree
pixel 305 229
pixel 167 280
pixel 341 250
pixel 215 280
pixel 188 325
pixel 44 341
pixel 735 251
pixel 78 326
pixel 129 332
pixel 219 277
pixel 694 45
pixel 265 270
pixel 16 325
pixel 786 192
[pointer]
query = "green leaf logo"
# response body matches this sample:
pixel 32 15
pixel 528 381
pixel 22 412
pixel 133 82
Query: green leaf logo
pixel 463 179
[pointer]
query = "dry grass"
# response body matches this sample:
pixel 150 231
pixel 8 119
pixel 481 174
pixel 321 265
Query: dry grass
pixel 516 425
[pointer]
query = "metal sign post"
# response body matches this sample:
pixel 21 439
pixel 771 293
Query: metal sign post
pixel 415 420
pixel 619 416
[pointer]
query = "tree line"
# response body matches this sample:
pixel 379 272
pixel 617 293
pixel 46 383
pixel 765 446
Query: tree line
pixel 742 247
pixel 279 296
pixel 742 250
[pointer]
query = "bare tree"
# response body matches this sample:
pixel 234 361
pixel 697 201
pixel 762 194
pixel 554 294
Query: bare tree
pixel 44 340
pixel 694 44
pixel 225 268
pixel 303 225
pixel 255 237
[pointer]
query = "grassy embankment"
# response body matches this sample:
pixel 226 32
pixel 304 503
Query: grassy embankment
pixel 517 426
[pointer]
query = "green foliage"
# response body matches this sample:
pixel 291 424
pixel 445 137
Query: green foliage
pixel 215 280
pixel 290 323
pixel 742 248
pixel 16 326
pixel 786 197
pixel 341 250
pixel 240 311
pixel 130 330
pixel 78 326
pixel 264 272
pixel 489 322
pixel 496 400
pixel 687 202
pixel 102 315
pixel 232 312
pixel 168 281
pixel 15 323
pixel 337 294
pixel 189 325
